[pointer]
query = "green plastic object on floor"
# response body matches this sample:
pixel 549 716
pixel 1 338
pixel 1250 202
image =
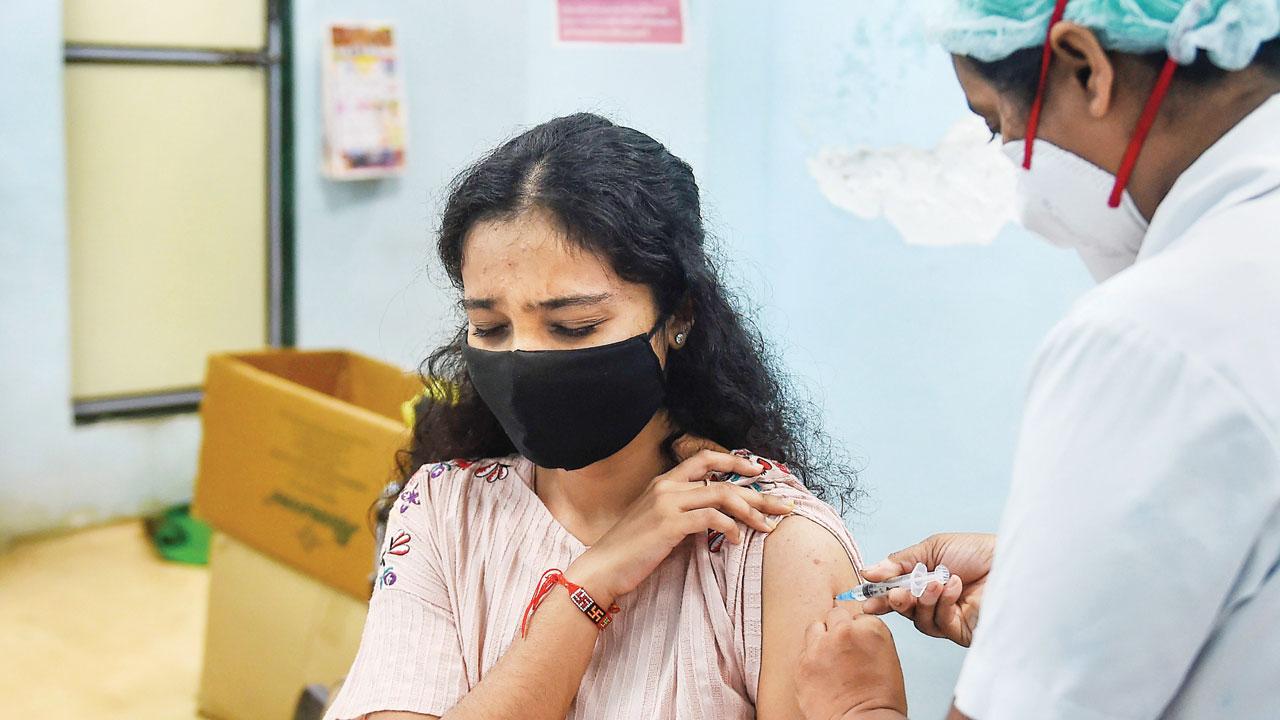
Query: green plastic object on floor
pixel 178 537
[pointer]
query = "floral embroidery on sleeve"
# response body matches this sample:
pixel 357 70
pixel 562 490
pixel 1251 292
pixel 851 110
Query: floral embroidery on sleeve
pixel 493 471
pixel 399 546
pixel 410 496
pixel 387 578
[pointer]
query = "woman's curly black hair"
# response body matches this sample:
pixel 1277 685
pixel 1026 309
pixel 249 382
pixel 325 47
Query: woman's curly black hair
pixel 622 195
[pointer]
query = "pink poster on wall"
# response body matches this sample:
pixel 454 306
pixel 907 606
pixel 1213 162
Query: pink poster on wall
pixel 658 22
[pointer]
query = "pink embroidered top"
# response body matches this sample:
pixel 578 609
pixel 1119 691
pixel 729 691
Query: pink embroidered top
pixel 465 547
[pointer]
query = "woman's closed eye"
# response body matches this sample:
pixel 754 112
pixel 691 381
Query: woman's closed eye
pixel 568 330
pixel 576 330
pixel 488 331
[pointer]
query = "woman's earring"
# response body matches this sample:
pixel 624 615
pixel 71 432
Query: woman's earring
pixel 680 338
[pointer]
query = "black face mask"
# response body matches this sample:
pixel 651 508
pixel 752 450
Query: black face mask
pixel 570 408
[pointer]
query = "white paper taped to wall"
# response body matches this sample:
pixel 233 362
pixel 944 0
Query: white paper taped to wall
pixel 958 193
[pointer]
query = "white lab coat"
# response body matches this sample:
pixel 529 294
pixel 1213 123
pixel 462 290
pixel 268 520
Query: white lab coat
pixel 1136 568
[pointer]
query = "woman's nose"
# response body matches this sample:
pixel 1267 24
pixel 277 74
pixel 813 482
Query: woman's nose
pixel 528 339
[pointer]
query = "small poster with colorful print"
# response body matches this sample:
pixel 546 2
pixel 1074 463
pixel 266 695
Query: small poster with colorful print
pixel 364 111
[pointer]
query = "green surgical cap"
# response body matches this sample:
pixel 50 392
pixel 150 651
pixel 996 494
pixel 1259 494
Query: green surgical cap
pixel 1229 31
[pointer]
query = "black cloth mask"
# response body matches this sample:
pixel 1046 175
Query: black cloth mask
pixel 570 408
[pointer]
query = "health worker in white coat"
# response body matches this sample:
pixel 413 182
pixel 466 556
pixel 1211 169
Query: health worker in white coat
pixel 1136 571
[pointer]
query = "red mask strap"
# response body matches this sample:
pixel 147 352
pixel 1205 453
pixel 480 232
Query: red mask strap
pixel 1145 122
pixel 1033 121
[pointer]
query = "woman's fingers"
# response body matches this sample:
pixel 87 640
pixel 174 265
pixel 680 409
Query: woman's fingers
pixel 703 462
pixel 738 507
pixel 749 506
pixel 705 519
pixel 725 502
pixel 765 503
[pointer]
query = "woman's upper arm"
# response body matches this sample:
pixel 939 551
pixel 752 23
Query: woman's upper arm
pixel 399 715
pixel 805 566
pixel 410 656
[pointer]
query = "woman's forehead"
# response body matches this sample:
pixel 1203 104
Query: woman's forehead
pixel 528 260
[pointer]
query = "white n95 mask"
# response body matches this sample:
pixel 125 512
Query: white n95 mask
pixel 1063 198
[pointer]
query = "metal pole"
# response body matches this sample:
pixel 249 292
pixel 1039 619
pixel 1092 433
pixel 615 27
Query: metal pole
pixel 79 53
pixel 275 201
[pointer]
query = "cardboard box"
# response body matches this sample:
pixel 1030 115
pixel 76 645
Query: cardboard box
pixel 297 446
pixel 271 631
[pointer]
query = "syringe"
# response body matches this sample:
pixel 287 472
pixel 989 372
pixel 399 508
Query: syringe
pixel 915 582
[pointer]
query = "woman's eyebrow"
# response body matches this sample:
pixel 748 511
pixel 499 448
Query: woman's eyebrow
pixel 574 301
pixel 478 303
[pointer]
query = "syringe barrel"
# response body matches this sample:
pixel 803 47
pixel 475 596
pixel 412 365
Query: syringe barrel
pixel 868 590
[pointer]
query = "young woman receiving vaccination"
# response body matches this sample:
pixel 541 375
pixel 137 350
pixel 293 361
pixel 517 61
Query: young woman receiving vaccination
pixel 551 558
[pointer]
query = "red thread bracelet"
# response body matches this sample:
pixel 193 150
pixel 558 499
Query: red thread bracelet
pixel 580 597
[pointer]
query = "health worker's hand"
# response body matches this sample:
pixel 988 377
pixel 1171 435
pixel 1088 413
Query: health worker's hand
pixel 945 611
pixel 849 670
pixel 676 504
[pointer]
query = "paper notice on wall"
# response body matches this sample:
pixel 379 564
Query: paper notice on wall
pixel 655 22
pixel 364 112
